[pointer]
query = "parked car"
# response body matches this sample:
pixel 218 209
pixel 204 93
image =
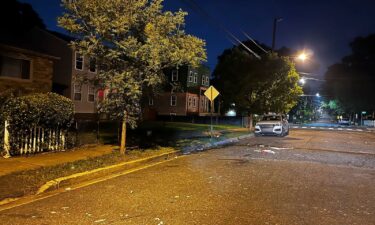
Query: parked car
pixel 272 125
pixel 344 121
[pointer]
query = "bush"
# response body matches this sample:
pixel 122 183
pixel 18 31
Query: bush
pixel 48 110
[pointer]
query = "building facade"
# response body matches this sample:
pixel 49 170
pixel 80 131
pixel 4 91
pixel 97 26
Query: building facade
pixel 183 95
pixel 25 71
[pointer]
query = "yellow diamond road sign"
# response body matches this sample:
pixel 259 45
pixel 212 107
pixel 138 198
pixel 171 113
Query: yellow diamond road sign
pixel 211 93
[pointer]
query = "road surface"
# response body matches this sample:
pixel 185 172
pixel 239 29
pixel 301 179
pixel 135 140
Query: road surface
pixel 309 177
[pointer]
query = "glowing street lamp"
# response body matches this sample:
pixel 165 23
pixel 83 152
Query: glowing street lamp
pixel 302 81
pixel 302 57
pixel 317 95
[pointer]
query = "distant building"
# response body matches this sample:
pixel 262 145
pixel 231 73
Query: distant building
pixel 183 95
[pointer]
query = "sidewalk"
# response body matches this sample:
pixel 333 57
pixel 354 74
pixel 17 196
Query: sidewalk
pixel 22 163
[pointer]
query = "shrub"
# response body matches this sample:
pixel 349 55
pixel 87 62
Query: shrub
pixel 48 110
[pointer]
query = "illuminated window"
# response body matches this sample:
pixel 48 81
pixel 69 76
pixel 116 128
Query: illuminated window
pixel 150 101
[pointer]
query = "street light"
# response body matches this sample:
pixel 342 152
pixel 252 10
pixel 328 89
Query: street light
pixel 275 21
pixel 317 95
pixel 302 56
pixel 302 81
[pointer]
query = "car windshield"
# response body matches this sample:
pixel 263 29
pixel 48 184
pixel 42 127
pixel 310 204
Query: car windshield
pixel 271 118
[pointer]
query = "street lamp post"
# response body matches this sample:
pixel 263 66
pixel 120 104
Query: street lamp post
pixel 275 21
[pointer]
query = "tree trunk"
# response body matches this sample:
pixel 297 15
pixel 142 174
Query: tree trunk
pixel 123 135
pixel 250 121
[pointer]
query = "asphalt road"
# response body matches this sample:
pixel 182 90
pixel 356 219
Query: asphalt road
pixel 305 178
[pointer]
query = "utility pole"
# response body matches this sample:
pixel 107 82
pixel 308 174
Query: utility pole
pixel 275 21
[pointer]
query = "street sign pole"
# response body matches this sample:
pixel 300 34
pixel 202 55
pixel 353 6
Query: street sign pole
pixel 211 93
pixel 212 108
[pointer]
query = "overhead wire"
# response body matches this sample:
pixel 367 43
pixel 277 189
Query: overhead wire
pixel 193 5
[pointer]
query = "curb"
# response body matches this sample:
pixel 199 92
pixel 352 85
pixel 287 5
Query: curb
pixel 92 174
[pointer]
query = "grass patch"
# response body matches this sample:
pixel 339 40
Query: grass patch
pixel 27 182
pixel 205 140
pixel 180 126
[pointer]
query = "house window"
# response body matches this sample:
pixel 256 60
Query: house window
pixel 203 80
pixel 195 78
pixel 77 92
pixel 194 102
pixel 150 101
pixel 15 68
pixel 173 100
pixel 189 102
pixel 79 61
pixel 174 75
pixel 207 80
pixel 91 93
pixel 92 65
pixel 190 76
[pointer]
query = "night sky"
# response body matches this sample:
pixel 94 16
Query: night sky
pixel 322 26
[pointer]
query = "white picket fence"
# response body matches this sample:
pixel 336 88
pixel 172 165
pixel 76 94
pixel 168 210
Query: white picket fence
pixel 34 140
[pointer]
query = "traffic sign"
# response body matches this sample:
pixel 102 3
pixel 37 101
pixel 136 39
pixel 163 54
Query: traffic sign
pixel 211 93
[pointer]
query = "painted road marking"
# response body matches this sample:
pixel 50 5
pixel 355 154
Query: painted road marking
pixel 313 127
pixel 330 128
pixel 339 129
pixel 304 127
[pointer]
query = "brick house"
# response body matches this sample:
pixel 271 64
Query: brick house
pixel 183 95
pixel 24 70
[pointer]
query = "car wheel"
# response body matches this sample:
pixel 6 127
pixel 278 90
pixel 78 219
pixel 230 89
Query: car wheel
pixel 282 134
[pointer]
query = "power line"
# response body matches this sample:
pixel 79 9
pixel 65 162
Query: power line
pixel 193 5
pixel 252 40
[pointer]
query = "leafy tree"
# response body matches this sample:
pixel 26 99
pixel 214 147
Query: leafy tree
pixel 351 82
pixel 133 41
pixel 256 86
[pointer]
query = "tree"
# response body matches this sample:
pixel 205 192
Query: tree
pixel 133 41
pixel 256 86
pixel 351 82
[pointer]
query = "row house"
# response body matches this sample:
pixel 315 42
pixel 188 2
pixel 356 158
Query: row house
pixel 183 95
pixel 40 61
